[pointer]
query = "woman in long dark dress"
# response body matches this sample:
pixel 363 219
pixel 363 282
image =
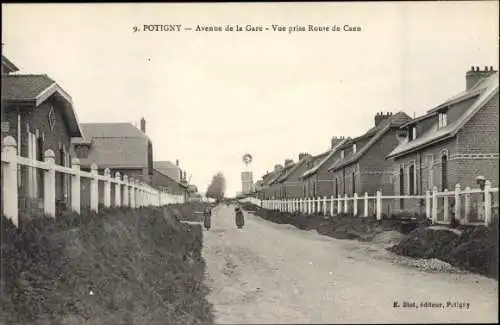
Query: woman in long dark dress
pixel 207 218
pixel 239 219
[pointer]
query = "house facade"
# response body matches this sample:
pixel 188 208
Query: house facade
pixel 362 166
pixel 276 187
pixel 263 192
pixel 121 147
pixel 166 183
pixel 291 182
pixel 39 114
pixel 317 177
pixel 452 143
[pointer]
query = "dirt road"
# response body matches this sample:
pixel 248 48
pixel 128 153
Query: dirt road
pixel 270 273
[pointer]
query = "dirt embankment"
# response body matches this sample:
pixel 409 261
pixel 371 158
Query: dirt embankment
pixel 120 266
pixel 473 249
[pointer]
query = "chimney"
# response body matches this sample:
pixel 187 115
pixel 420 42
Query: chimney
pixel 303 155
pixel 177 162
pixel 335 141
pixel 288 162
pixel 380 117
pixel 475 74
pixel 277 168
pixel 143 125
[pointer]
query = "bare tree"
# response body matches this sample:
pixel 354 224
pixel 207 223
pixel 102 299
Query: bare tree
pixel 217 187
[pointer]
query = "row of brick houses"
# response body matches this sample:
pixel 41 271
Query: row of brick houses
pixel 454 142
pixel 40 115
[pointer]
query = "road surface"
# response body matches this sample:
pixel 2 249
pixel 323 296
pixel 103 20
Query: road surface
pixel 270 273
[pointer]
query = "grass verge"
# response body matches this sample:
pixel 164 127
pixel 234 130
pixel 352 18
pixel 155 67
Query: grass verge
pixel 118 266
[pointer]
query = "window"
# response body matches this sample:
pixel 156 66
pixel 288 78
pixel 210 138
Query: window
pixel 412 179
pixel 430 173
pixel 342 154
pixel 444 171
pixel 353 148
pixel 353 183
pixel 442 119
pixel 412 133
pixel 401 184
pixel 336 187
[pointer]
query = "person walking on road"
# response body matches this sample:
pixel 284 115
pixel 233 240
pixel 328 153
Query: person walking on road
pixel 239 218
pixel 207 218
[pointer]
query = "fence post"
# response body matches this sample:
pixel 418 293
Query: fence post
pixel 118 196
pixel 9 176
pixel 75 185
pixel 309 205
pixel 379 205
pixel 457 202
pixel 49 184
pixel 366 204
pixel 325 208
pixel 487 203
pixel 339 205
pixel 467 205
pixel 446 215
pixel 331 205
pixel 428 204
pixel 94 189
pixel 138 202
pixel 107 188
pixel 126 191
pixel 434 205
pixel 355 204
pixel 346 208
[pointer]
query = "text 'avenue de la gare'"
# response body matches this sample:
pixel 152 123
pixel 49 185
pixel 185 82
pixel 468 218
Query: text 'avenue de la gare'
pixel 248 28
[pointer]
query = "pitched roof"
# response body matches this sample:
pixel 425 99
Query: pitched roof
pixel 374 134
pixel 293 169
pixel 8 66
pixel 115 145
pixel 283 174
pixel 484 91
pixel 267 178
pixel 163 167
pixel 331 152
pixel 169 169
pixel 34 90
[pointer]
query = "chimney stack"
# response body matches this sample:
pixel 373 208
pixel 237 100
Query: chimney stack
pixel 335 141
pixel 380 117
pixel 177 162
pixel 143 125
pixel 277 168
pixel 474 75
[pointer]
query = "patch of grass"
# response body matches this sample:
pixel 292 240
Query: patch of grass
pixel 143 267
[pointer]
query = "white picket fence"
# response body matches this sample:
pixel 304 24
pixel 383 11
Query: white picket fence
pixel 433 200
pixel 128 192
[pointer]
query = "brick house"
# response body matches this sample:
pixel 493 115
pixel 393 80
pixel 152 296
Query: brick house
pixel 39 114
pixel 163 181
pixel 121 147
pixel 362 166
pixel 263 191
pixel 452 143
pixel 275 186
pixel 291 185
pixel 170 169
pixel 317 178
pixel 268 190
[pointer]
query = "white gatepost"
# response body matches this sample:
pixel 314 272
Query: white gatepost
pixel 49 184
pixel 107 188
pixel 428 204
pixel 345 204
pixel 339 205
pixel 365 201
pixel 118 196
pixel 325 208
pixel 9 180
pixel 379 205
pixel 132 192
pixel 434 205
pixel 331 205
pixel 309 205
pixel 355 204
pixel 126 192
pixel 94 189
pixel 313 209
pixel 487 203
pixel 446 213
pixel 138 201
pixel 457 202
pixel 467 205
pixel 75 185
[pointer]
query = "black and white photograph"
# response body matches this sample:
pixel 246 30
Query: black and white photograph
pixel 249 163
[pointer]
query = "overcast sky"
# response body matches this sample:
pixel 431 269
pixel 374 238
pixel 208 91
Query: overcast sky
pixel 210 97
